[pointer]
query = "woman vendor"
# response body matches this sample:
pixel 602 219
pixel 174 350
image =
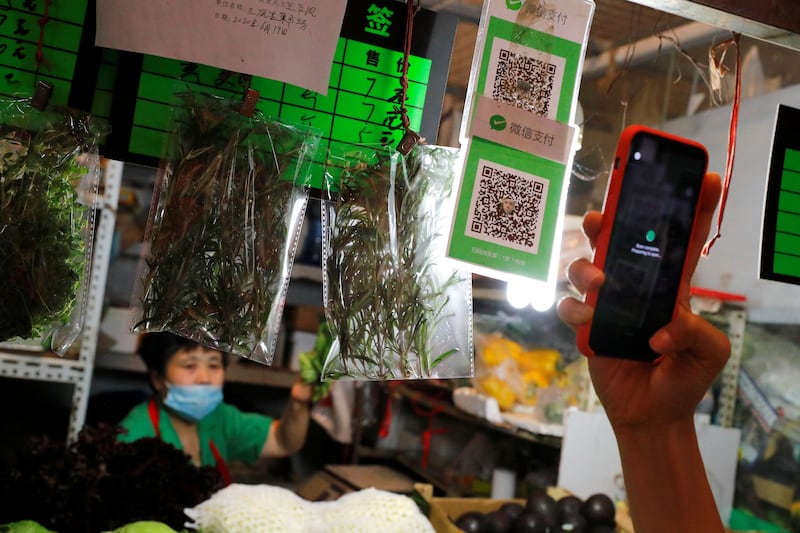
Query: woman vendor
pixel 187 408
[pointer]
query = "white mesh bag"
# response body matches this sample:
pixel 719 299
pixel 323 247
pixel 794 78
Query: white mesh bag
pixel 266 509
pixel 369 511
pixel 242 508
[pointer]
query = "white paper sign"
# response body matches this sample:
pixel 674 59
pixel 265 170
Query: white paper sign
pixel 590 460
pixel 292 42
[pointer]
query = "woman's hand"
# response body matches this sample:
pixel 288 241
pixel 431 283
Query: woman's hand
pixel 693 350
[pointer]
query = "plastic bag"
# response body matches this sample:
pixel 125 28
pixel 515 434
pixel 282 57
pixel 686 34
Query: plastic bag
pixel 48 191
pixel 223 227
pixel 395 308
pixel 524 368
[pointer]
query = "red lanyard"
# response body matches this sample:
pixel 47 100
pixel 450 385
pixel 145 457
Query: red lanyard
pixel 152 410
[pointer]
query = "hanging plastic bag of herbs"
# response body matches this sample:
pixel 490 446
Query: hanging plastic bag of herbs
pixel 48 190
pixel 226 213
pixel 395 308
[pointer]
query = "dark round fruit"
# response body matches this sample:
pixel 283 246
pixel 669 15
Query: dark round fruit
pixel 472 522
pixel 599 509
pixel 512 509
pixel 545 506
pixel 573 523
pixel 569 504
pixel 530 522
pixel 499 522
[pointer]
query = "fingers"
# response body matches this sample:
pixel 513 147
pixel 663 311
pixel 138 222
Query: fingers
pixel 574 313
pixel 584 275
pixel 591 226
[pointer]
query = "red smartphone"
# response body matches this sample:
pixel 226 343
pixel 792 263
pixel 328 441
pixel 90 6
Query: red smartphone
pixel 649 215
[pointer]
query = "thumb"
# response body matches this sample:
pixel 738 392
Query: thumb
pixel 691 335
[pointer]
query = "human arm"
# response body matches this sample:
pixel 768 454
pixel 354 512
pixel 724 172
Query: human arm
pixel 287 435
pixel 651 406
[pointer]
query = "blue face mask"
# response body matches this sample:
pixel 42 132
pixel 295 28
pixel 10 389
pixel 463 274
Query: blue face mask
pixel 193 402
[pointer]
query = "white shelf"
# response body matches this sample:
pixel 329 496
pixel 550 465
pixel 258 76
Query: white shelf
pixel 239 370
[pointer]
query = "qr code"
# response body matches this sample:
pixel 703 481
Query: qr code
pixel 524 82
pixel 507 207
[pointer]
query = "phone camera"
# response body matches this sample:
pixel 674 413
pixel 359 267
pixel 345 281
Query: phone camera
pixel 637 155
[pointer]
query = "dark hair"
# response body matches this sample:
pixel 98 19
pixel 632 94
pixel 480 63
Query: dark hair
pixel 156 348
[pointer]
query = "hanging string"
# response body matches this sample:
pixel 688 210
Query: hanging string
pixel 737 97
pixel 42 22
pixel 410 138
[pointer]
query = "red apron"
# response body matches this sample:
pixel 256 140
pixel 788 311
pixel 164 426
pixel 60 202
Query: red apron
pixel 152 410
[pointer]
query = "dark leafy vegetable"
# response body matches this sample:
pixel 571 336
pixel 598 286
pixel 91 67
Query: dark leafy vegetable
pixel 99 484
pixel 44 226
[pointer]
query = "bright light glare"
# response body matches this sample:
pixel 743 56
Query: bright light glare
pixel 543 298
pixel 517 294
pixel 537 294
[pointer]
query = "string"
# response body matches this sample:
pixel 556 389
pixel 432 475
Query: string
pixel 42 22
pixel 737 96
pixel 406 56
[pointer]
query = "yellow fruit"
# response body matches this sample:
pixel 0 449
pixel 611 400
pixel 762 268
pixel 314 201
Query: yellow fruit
pixel 498 349
pixel 546 360
pixel 537 377
pixel 499 390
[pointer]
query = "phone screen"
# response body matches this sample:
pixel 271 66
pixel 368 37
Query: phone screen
pixel 647 246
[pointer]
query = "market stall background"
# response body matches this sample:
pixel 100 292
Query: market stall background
pixel 638 68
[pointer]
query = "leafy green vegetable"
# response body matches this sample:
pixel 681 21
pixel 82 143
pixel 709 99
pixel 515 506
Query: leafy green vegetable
pixel 45 229
pixel 311 363
pixel 221 236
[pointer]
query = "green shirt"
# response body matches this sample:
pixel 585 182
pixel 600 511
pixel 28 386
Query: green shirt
pixel 238 436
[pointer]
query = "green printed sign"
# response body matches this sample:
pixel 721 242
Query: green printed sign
pixel 361 110
pixel 61 34
pixel 507 210
pixel 780 242
pixel 515 175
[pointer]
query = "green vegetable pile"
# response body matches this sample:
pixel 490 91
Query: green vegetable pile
pixel 43 225
pixel 100 484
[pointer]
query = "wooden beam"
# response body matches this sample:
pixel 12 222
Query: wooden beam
pixel 776 21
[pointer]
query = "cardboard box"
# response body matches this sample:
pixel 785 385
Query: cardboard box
pixel 335 480
pixel 444 511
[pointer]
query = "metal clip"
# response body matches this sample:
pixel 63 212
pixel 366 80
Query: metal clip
pixel 249 102
pixel 408 142
pixel 41 94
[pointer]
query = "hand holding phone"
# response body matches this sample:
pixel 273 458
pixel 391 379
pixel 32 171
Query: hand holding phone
pixel 649 216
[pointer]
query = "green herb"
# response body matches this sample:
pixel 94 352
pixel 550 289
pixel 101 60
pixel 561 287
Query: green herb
pixel 384 298
pixel 43 225
pixel 220 239
pixel 312 362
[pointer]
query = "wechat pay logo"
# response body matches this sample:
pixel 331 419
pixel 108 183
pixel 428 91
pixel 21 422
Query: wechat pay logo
pixel 514 5
pixel 497 122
